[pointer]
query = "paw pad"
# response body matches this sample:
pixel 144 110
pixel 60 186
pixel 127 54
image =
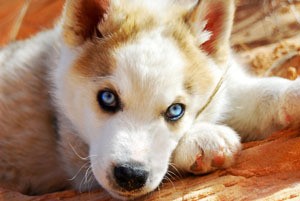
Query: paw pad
pixel 197 166
pixel 219 160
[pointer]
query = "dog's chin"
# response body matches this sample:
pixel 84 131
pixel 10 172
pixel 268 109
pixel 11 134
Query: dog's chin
pixel 120 194
pixel 131 195
pixel 128 195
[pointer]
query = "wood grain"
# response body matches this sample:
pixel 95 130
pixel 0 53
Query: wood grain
pixel 265 170
pixel 40 15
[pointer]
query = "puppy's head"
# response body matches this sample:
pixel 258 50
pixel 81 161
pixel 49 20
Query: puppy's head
pixel 133 75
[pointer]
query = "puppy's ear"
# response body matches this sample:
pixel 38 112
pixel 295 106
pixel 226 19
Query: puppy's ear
pixel 81 18
pixel 211 21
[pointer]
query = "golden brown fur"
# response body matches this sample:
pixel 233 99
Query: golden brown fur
pixel 28 137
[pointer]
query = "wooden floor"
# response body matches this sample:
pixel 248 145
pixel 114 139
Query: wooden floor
pixel 40 15
pixel 266 170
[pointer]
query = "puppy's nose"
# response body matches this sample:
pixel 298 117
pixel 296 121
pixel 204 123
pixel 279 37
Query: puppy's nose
pixel 130 176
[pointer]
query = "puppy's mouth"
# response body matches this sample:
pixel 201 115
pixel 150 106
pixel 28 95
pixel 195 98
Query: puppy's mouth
pixel 122 194
pixel 128 195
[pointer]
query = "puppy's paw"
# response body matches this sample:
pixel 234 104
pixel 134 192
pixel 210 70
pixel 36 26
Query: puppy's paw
pixel 207 147
pixel 290 109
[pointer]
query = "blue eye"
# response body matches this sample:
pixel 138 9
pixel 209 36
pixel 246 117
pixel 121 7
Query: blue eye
pixel 175 112
pixel 108 98
pixel 108 101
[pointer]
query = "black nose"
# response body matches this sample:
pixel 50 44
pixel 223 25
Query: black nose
pixel 130 176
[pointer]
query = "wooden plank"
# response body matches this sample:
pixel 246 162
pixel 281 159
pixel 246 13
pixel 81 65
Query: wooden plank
pixel 265 170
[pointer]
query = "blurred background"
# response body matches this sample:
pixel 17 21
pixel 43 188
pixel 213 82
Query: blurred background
pixel 264 30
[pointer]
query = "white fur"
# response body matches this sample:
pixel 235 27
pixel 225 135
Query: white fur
pixel 149 77
pixel 256 104
pixel 157 5
pixel 133 133
pixel 207 139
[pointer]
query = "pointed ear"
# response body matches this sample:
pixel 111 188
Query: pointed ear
pixel 81 18
pixel 211 21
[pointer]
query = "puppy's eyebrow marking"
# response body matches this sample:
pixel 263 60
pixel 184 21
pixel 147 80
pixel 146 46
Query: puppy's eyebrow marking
pixel 188 86
pixel 179 99
pixel 94 61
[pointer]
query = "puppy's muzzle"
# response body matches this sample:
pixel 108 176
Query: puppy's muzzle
pixel 130 176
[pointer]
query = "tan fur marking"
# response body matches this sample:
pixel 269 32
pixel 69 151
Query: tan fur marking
pixel 95 61
pixel 97 57
pixel 133 24
pixel 198 78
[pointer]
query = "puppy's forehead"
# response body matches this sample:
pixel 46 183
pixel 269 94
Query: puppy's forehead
pixel 152 63
pixel 96 57
pixel 144 51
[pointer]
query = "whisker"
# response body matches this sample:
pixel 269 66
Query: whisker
pixel 91 179
pixel 159 191
pixel 90 176
pixel 83 180
pixel 179 176
pixel 172 175
pixel 86 175
pixel 78 155
pixel 176 170
pixel 80 186
pixel 77 173
pixel 167 178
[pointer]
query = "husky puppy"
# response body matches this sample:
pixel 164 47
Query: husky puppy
pixel 121 89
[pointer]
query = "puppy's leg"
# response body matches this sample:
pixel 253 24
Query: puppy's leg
pixel 289 112
pixel 259 106
pixel 206 147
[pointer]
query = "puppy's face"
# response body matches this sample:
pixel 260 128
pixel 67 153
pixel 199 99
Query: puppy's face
pixel 140 112
pixel 131 91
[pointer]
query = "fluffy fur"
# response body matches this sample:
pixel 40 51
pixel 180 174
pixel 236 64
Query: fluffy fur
pixel 152 54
